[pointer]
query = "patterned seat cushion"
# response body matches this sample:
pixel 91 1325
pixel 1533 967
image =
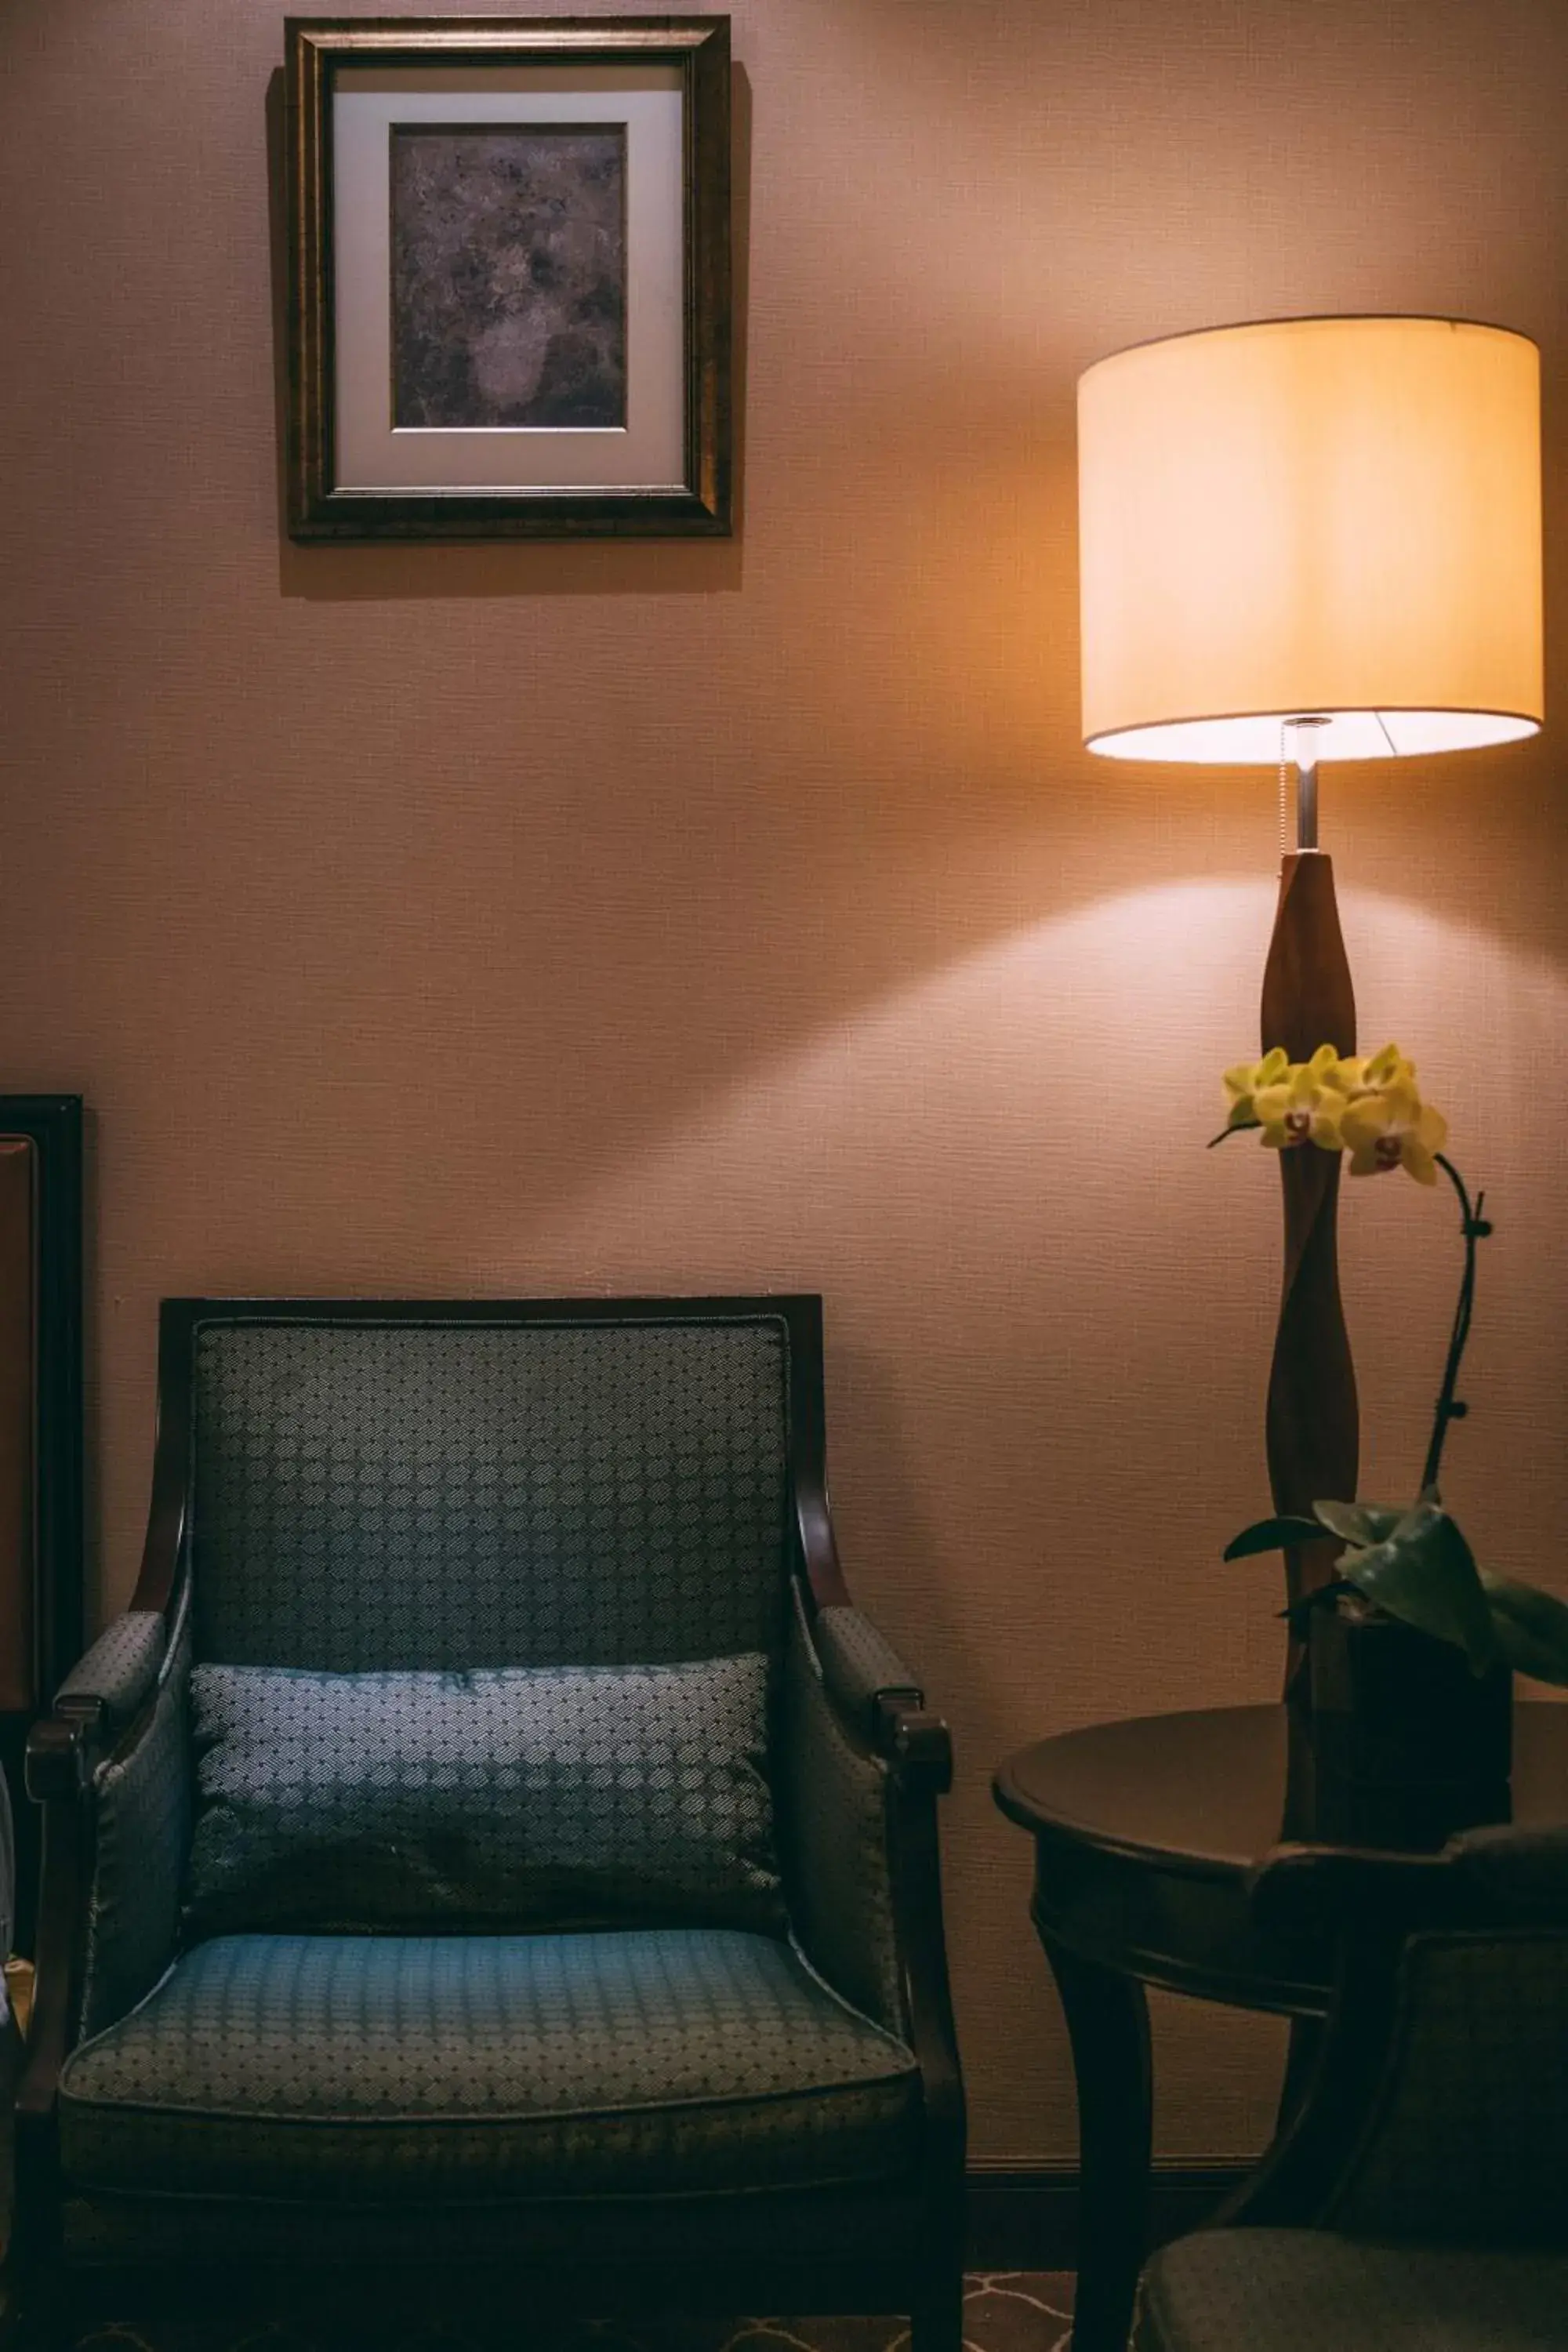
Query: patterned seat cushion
pixel 1313 2291
pixel 522 1797
pixel 390 2068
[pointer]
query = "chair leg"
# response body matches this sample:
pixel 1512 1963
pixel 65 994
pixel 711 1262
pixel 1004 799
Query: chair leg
pixel 936 2323
pixel 42 2317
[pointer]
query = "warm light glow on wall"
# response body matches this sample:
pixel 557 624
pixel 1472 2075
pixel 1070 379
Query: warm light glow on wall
pixel 1338 516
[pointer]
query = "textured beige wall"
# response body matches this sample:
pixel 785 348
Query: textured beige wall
pixel 459 921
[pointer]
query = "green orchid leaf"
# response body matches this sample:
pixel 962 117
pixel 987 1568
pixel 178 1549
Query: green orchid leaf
pixel 1531 1628
pixel 1237 1127
pixel 1272 1535
pixel 1358 1523
pixel 1424 1573
pixel 1299 1614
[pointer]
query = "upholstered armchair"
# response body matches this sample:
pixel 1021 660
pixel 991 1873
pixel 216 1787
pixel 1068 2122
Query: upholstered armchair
pixel 1419 2200
pixel 492 1838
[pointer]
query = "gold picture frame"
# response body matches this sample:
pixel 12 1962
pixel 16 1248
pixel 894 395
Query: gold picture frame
pixel 509 278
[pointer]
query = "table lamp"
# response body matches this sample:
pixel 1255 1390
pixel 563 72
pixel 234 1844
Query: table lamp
pixel 1305 540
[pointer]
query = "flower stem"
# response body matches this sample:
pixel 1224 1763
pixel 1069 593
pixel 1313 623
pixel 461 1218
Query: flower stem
pixel 1475 1228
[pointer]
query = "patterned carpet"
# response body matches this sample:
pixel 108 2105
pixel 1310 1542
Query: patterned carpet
pixel 1004 2311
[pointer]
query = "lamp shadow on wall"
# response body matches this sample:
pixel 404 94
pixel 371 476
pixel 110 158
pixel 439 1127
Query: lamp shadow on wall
pixel 987 976
pixel 1049 1303
pixel 1044 1098
pixel 380 572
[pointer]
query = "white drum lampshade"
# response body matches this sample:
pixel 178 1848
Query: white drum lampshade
pixel 1338 517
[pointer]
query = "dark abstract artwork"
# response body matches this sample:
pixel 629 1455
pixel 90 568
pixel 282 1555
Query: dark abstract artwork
pixel 509 275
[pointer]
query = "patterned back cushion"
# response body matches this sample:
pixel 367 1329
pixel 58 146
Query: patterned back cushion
pixel 509 1798
pixel 377 1495
pixel 1468 2142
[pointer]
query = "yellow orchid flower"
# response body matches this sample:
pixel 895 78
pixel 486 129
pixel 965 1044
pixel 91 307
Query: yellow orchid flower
pixel 1392 1127
pixel 1242 1082
pixel 1306 1106
pixel 1372 1074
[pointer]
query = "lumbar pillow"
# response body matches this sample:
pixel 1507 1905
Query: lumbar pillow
pixel 505 1798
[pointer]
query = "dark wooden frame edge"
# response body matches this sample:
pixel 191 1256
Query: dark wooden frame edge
pixel 318 510
pixel 54 1124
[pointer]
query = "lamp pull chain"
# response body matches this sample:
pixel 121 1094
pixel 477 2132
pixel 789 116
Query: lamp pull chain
pixel 1284 795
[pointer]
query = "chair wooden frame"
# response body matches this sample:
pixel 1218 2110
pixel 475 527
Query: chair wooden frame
pixel 1385 1915
pixel 896 2247
pixel 1369 1905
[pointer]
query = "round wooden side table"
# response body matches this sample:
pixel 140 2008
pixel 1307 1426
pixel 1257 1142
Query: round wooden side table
pixel 1145 1832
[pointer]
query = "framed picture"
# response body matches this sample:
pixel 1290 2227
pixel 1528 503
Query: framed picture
pixel 508 267
pixel 41 1609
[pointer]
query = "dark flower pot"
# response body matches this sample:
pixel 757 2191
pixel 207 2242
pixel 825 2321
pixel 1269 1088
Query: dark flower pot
pixel 1408 1746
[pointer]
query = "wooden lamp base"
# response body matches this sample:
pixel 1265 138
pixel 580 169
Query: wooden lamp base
pixel 1312 1426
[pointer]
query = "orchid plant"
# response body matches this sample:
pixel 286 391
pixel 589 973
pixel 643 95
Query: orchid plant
pixel 1413 1564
